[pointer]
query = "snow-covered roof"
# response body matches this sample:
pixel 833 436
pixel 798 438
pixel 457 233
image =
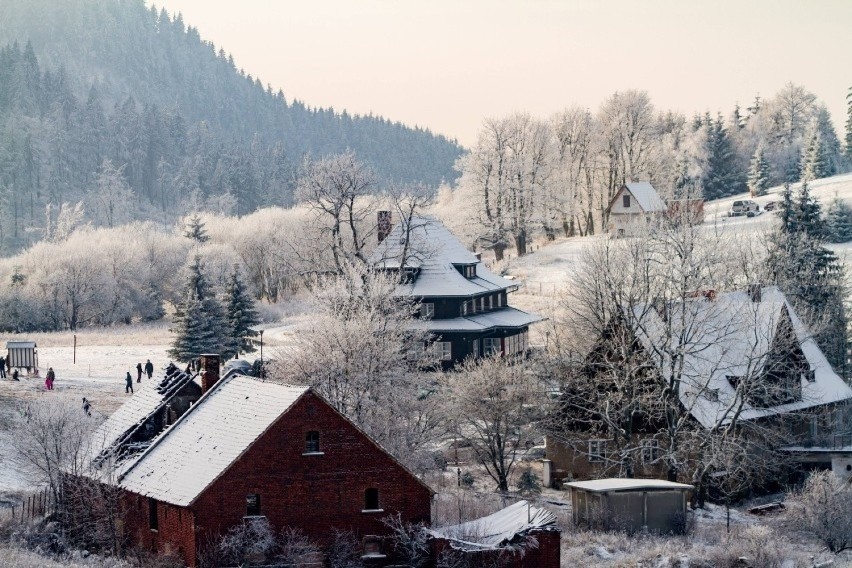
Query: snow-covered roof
pixel 433 251
pixel 148 398
pixel 731 337
pixel 499 528
pixel 208 438
pixel 621 484
pixel 645 195
pixel 501 317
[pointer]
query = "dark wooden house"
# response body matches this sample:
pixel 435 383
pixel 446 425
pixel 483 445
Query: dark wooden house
pixel 463 305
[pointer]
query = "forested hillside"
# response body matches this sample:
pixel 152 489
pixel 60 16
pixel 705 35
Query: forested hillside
pixel 130 111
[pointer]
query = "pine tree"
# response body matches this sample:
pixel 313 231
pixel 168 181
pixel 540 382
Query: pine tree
pixel 838 222
pixel 199 325
pixel 758 174
pixel 241 316
pixel 810 274
pixel 849 125
pixel 722 176
pixel 195 230
pixel 813 157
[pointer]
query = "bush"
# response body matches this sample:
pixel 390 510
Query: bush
pixel 821 508
pixel 529 483
pixel 467 479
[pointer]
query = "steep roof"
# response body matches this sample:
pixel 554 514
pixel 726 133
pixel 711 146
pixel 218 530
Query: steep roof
pixel 433 252
pixel 731 336
pixel 206 440
pixel 497 529
pixel 644 194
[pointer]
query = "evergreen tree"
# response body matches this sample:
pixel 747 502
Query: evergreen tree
pixel 241 316
pixel 810 274
pixel 813 157
pixel 849 125
pixel 722 176
pixel 838 222
pixel 199 325
pixel 195 230
pixel 758 174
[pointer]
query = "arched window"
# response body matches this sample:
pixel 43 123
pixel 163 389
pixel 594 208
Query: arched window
pixel 371 499
pixel 312 442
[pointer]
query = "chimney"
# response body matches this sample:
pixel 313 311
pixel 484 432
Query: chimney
pixel 755 292
pixel 383 225
pixel 209 371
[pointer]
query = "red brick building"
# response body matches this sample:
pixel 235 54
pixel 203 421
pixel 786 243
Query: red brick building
pixel 250 448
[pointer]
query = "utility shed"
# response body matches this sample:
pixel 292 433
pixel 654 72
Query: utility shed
pixel 630 504
pixel 22 354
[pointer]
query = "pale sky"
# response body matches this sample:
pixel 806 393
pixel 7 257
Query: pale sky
pixel 448 64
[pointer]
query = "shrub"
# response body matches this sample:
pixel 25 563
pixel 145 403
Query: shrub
pixel 822 508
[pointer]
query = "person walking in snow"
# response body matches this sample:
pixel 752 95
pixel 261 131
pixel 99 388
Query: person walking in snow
pixel 128 383
pixel 138 372
pixel 2 367
pixel 49 378
pixel 149 368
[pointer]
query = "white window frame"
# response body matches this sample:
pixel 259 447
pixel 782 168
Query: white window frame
pixel 482 304
pixel 427 310
pixel 597 451
pixel 442 350
pixel 491 346
pixel 475 348
pixel 650 451
pixel 499 300
pixel 625 200
pixel 491 301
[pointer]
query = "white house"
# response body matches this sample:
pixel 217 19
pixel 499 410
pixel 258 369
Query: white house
pixel 634 202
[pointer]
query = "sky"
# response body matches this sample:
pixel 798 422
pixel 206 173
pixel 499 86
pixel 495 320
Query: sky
pixel 447 65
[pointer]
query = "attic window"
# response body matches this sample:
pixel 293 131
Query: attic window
pixel 153 521
pixel 253 505
pixel 625 200
pixel 810 375
pixel 371 500
pixel 312 442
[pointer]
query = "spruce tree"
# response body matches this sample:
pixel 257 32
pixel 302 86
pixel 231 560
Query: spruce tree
pixel 810 274
pixel 838 222
pixel 199 325
pixel 722 176
pixel 758 174
pixel 241 316
pixel 849 125
pixel 813 157
pixel 195 230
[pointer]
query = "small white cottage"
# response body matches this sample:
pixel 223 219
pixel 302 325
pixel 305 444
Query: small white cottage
pixel 634 202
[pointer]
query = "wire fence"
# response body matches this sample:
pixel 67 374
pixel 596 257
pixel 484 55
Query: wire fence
pixel 32 506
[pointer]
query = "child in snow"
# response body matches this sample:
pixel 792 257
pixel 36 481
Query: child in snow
pixel 49 378
pixel 128 383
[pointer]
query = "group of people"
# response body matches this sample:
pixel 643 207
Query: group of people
pixel 32 372
pixel 148 369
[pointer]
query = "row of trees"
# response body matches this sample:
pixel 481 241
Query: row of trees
pixel 527 176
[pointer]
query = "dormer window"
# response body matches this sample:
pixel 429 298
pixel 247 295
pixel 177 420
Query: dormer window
pixel 467 270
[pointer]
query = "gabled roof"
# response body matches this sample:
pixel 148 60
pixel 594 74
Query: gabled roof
pixel 645 195
pixel 433 253
pixel 498 529
pixel 731 336
pixel 208 438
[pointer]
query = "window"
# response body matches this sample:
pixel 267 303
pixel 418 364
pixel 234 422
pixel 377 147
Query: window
pixel 371 499
pixel 153 521
pixel 312 444
pixel 253 505
pixel 490 302
pixel 442 350
pixel 597 451
pixel 650 451
pixel 482 304
pixel 499 300
pixel 475 348
pixel 491 346
pixel 427 310
pixel 810 375
pixel 625 200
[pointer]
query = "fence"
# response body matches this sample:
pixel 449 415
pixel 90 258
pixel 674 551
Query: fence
pixel 32 506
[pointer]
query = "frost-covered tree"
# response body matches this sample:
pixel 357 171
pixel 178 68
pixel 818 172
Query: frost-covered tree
pixel 199 326
pixel 814 164
pixel 722 175
pixel 758 174
pixel 241 316
pixel 849 124
pixel 111 200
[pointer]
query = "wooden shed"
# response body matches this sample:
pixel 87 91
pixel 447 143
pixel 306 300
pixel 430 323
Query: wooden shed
pixel 630 504
pixel 22 354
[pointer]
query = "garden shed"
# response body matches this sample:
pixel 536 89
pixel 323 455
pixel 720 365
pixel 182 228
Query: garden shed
pixel 630 504
pixel 21 354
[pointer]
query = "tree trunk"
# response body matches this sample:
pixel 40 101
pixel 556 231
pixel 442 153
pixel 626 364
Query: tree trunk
pixel 498 252
pixel 521 242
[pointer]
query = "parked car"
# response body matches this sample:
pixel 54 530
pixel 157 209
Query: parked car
pixel 770 206
pixel 744 207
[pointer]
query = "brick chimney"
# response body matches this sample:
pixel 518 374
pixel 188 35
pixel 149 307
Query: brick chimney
pixel 209 371
pixel 383 225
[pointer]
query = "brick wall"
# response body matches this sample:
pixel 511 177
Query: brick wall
pixel 313 492
pixel 175 533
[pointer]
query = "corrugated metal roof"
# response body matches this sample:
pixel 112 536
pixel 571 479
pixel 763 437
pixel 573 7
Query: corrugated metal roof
pixel 206 440
pixel 621 484
pixel 499 528
pixel 20 344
